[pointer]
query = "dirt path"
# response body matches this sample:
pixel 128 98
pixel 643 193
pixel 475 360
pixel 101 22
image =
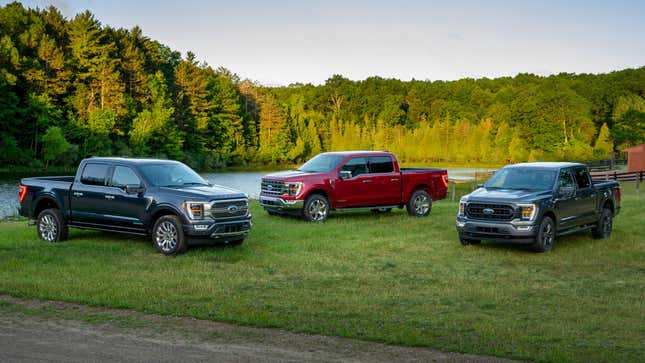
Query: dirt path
pixel 35 330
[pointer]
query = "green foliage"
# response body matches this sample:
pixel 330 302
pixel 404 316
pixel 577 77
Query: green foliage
pixel 54 144
pixel 117 91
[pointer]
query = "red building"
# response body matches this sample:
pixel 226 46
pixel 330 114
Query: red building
pixel 636 158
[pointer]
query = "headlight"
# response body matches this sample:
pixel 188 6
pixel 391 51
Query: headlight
pixel 293 189
pixel 528 212
pixel 462 208
pixel 197 210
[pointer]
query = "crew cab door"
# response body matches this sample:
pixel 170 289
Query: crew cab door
pixel 88 204
pixel 385 186
pixel 566 205
pixel 353 192
pixel 585 195
pixel 125 210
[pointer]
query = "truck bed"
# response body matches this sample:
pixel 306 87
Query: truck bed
pixel 56 187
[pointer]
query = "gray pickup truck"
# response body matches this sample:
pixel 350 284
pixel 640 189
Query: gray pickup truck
pixel 533 203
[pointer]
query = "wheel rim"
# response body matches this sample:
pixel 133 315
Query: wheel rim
pixel 606 225
pixel 318 210
pixel 48 228
pixel 547 235
pixel 421 204
pixel 166 236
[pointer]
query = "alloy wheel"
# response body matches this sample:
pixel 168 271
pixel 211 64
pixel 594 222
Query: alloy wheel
pixel 318 210
pixel 421 205
pixel 48 228
pixel 166 236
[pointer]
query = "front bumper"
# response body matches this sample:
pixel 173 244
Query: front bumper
pixel 224 231
pixel 281 205
pixel 496 231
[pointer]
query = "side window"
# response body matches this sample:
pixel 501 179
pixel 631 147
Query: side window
pixel 566 180
pixel 381 164
pixel 582 177
pixel 123 176
pixel 94 174
pixel 357 166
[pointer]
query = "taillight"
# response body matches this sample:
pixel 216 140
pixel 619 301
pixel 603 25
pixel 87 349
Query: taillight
pixel 22 192
pixel 619 193
pixel 444 178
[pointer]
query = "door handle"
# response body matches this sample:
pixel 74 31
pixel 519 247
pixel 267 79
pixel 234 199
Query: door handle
pixel 110 197
pixel 394 179
pixel 78 194
pixel 367 181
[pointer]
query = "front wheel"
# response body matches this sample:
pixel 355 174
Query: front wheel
pixel 419 204
pixel 316 208
pixel 603 229
pixel 546 236
pixel 51 226
pixel 168 235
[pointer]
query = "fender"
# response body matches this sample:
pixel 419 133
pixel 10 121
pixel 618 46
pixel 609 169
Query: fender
pixel 168 207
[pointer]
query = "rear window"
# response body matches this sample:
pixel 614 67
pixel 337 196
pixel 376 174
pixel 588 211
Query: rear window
pixel 94 174
pixel 381 164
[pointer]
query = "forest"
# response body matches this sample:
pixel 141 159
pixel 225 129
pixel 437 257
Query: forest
pixel 73 88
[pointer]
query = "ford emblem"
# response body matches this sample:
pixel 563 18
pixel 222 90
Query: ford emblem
pixel 232 208
pixel 488 211
pixel 269 187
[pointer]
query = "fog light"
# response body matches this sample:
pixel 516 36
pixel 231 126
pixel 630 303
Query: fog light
pixel 524 228
pixel 201 227
pixel 461 224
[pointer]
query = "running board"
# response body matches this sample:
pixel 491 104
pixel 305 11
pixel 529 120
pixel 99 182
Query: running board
pixel 577 229
pixel 368 208
pixel 108 230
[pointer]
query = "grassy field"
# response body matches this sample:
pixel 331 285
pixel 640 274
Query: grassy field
pixel 390 278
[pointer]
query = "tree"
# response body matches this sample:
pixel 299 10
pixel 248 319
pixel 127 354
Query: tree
pixel 603 145
pixel 54 144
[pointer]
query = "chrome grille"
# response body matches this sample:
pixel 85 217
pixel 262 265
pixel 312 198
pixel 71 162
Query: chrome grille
pixel 272 187
pixel 500 212
pixel 225 209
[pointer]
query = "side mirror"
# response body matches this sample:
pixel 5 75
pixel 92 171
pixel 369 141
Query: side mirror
pixel 134 189
pixel 345 174
pixel 566 192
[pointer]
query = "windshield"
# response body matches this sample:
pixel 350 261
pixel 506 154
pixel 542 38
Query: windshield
pixel 522 179
pixel 321 163
pixel 171 175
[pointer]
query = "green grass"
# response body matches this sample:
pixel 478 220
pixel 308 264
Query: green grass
pixel 390 278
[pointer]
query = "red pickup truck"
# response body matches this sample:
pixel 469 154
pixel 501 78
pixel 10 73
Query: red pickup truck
pixel 352 180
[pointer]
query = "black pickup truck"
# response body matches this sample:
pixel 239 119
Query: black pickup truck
pixel 533 203
pixel 163 199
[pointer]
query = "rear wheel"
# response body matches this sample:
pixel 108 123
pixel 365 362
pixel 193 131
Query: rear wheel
pixel 168 235
pixel 316 208
pixel 51 226
pixel 603 229
pixel 546 236
pixel 420 204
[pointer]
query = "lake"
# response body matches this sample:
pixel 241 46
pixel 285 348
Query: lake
pixel 248 182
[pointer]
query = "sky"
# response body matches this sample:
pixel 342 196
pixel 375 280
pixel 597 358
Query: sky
pixel 282 42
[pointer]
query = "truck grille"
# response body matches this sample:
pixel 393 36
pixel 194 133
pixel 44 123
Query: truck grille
pixel 226 209
pixel 272 187
pixel 500 212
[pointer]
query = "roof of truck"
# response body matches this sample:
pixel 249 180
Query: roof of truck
pixel 359 152
pixel 126 160
pixel 545 165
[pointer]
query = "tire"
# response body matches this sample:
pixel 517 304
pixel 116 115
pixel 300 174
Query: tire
pixel 381 210
pixel 51 226
pixel 545 240
pixel 420 204
pixel 316 208
pixel 168 235
pixel 603 229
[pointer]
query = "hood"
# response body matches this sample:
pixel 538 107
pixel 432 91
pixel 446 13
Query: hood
pixel 288 175
pixel 507 195
pixel 204 192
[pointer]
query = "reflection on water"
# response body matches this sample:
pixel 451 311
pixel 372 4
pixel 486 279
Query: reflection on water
pixel 248 182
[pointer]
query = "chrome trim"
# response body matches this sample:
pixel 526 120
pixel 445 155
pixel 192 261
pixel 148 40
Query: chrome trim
pixel 214 210
pixel 279 203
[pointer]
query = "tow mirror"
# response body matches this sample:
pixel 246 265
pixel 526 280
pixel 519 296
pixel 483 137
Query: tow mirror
pixel 566 192
pixel 345 174
pixel 134 189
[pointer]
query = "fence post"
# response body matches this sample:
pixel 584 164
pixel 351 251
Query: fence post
pixel 453 191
